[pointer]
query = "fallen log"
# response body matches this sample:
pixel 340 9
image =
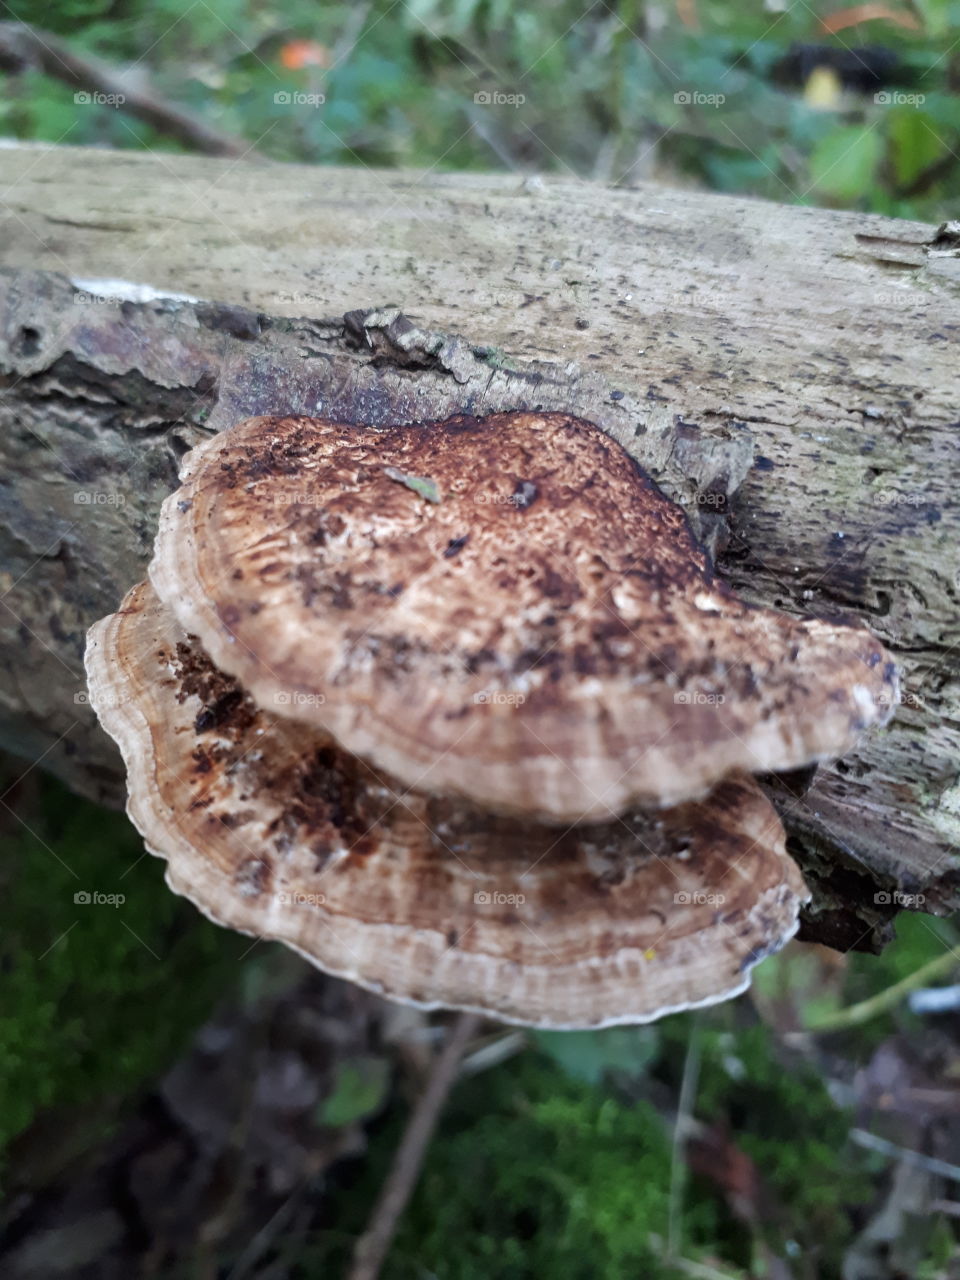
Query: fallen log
pixel 788 374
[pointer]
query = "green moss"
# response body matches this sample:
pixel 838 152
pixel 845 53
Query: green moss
pixel 98 995
pixel 532 1174
pixel 495 357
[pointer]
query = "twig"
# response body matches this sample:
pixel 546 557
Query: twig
pixel 496 145
pixel 949 1207
pixel 348 37
pixel 374 1244
pixel 940 1168
pixel 887 999
pixel 24 47
pixel 678 1165
pixel 263 1239
pixel 498 1049
pixel 700 1270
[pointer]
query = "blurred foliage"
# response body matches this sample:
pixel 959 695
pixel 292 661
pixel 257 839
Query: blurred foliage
pixel 533 1174
pixel 708 92
pixel 575 1167
pixel 777 1109
pixel 537 1172
pixel 98 997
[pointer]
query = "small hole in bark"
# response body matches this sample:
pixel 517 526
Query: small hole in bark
pixel 178 446
pixel 28 342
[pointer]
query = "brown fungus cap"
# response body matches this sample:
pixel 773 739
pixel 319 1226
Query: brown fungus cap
pixel 270 828
pixel 507 608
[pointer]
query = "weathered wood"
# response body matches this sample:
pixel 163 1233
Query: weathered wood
pixel 789 374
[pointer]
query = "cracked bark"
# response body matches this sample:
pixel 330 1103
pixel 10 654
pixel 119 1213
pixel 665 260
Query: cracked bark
pixel 788 374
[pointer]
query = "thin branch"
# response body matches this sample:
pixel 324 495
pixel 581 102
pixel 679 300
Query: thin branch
pixel 678 1163
pixel 23 47
pixel 497 1049
pixel 374 1244
pixel 940 1168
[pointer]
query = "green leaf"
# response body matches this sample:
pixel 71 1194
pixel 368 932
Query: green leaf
pixel 588 1055
pixel 936 16
pixel 915 143
pixel 359 1090
pixel 843 163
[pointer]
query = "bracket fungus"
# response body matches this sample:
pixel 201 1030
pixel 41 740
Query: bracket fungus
pixel 505 608
pixel 459 711
pixel 271 828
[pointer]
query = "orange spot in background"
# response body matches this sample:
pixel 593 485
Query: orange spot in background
pixel 298 54
pixel 687 13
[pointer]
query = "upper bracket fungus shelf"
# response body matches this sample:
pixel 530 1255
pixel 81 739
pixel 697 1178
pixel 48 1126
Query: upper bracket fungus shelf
pixel 505 608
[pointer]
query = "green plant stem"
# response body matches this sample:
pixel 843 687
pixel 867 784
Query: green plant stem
pixel 856 1014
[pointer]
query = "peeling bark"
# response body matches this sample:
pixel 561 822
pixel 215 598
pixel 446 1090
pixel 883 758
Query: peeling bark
pixel 789 375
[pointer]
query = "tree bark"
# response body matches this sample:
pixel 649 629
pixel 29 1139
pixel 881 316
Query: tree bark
pixel 790 375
